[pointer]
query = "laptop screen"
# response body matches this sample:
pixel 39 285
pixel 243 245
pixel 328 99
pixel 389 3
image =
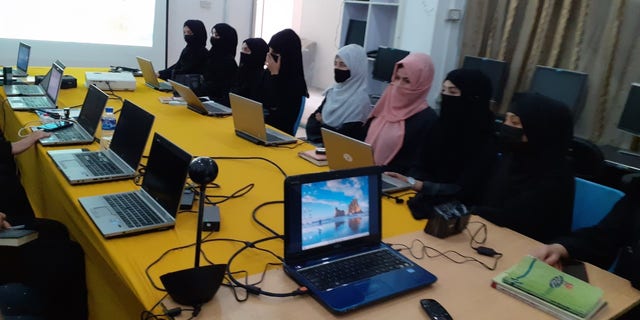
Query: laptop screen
pixel 55 79
pixel 329 211
pixel 164 185
pixel 92 108
pixel 24 50
pixel 131 134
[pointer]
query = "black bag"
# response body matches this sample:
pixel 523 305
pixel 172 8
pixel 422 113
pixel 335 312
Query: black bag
pixel 192 80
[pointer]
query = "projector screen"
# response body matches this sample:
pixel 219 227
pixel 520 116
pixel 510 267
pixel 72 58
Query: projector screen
pixel 84 33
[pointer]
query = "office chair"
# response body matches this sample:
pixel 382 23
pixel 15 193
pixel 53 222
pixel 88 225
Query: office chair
pixel 586 159
pixel 300 113
pixel 592 202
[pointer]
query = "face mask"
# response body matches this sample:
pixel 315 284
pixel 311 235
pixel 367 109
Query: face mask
pixel 341 75
pixel 244 58
pixel 511 137
pixel 213 41
pixel 188 38
pixel 452 106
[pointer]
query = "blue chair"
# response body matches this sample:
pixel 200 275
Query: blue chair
pixel 300 113
pixel 592 202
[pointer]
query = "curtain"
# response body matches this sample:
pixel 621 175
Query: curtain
pixel 600 38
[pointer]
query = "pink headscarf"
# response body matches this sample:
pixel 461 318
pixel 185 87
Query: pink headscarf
pixel 386 132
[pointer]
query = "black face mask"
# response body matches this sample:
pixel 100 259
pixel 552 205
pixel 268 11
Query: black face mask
pixel 511 137
pixel 213 41
pixel 245 59
pixel 341 75
pixel 452 107
pixel 188 38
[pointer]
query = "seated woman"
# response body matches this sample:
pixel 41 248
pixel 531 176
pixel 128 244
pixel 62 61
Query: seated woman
pixel 221 67
pixel 401 121
pixel 194 56
pixel 39 277
pixel 462 149
pixel 284 86
pixel 532 187
pixel 248 81
pixel 346 104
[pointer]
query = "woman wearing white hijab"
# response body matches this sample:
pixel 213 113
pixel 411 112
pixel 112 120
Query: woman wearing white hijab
pixel 346 104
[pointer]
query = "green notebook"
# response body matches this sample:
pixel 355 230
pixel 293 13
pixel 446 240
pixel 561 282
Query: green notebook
pixel 554 286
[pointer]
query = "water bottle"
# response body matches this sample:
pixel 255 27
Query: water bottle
pixel 108 127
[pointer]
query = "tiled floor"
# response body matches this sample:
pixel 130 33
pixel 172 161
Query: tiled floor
pixel 315 98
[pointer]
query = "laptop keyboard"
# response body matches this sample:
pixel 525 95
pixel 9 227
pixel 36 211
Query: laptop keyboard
pixel 132 210
pixel 70 134
pixel 386 185
pixel 36 102
pixel 215 107
pixel 98 163
pixel 351 269
pixel 276 136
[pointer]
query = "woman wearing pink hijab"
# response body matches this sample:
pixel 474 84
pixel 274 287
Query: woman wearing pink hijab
pixel 402 120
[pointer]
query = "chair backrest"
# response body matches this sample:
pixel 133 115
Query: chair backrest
pixel 300 113
pixel 592 202
pixel 586 158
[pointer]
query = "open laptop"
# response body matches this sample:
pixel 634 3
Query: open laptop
pixel 248 121
pixel 39 89
pixel 83 130
pixel 207 108
pixel 149 74
pixel 24 51
pixel 344 152
pixel 120 161
pixel 333 243
pixel 153 207
pixel 51 87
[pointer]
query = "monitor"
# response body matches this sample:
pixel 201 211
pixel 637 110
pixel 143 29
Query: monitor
pixel 630 117
pixel 355 32
pixel 496 70
pixel 386 59
pixel 563 85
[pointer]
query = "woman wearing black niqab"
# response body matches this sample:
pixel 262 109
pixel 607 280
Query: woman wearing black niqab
pixel 221 67
pixel 532 188
pixel 284 86
pixel 194 56
pixel 251 69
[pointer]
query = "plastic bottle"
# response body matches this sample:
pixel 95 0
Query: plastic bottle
pixel 108 127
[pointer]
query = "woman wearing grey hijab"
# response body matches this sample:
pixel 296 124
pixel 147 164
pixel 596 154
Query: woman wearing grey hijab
pixel 346 104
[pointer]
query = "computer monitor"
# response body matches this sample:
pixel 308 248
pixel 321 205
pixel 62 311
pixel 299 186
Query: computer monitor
pixel 355 32
pixel 630 117
pixel 563 85
pixel 496 70
pixel 386 59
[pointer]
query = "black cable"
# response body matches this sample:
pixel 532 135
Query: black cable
pixel 253 158
pixel 113 95
pixel 288 146
pixel 255 218
pixel 237 194
pixel 457 257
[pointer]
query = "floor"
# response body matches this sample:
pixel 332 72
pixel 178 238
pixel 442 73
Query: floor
pixel 313 102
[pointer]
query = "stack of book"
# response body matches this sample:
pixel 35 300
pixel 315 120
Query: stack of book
pixel 550 290
pixel 319 160
pixel 17 237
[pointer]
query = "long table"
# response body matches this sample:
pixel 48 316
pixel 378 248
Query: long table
pixel 117 281
pixel 118 285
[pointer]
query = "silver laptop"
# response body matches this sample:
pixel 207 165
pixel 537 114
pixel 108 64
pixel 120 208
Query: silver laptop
pixel 149 74
pixel 30 89
pixel 24 51
pixel 153 207
pixel 207 108
pixel 83 130
pixel 344 152
pixel 120 161
pixel 333 241
pixel 248 121
pixel 51 85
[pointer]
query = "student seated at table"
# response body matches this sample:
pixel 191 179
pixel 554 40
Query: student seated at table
pixel 44 278
pixel 221 67
pixel 346 104
pixel 462 148
pixel 194 55
pixel 617 235
pixel 250 73
pixel 284 86
pixel 401 121
pixel 532 187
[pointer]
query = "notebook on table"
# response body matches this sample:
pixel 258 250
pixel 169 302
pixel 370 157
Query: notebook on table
pixel 207 108
pixel 24 52
pixel 333 243
pixel 344 152
pixel 82 132
pixel 51 87
pixel 120 161
pixel 153 207
pixel 248 121
pixel 149 75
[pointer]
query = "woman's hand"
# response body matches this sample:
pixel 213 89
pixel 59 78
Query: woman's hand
pixel 20 146
pixel 319 117
pixel 272 64
pixel 4 224
pixel 552 254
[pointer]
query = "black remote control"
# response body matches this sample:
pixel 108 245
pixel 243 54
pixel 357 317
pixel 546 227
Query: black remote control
pixel 435 310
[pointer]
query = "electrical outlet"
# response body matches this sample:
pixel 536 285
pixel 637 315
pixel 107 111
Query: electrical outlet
pixel 454 15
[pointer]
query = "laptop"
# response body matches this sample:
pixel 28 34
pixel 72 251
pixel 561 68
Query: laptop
pixel 83 130
pixel 51 85
pixel 207 108
pixel 24 51
pixel 344 152
pixel 151 208
pixel 39 89
pixel 248 121
pixel 120 161
pixel 333 242
pixel 149 74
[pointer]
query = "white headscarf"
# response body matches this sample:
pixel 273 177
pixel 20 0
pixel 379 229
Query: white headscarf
pixel 348 101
